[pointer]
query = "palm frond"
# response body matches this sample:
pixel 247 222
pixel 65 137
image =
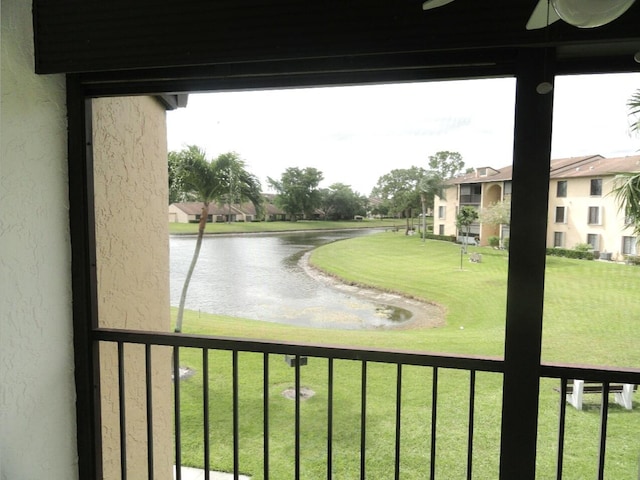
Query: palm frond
pixel 627 193
pixel 634 111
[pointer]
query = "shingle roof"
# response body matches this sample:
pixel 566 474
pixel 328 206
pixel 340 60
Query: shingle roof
pixel 573 167
pixel 247 208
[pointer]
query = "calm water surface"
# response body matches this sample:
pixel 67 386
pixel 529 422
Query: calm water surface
pixel 259 277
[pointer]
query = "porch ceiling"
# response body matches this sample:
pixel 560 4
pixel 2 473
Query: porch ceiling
pixel 81 36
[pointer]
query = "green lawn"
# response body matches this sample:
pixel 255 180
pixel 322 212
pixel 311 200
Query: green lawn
pixel 258 227
pixel 590 317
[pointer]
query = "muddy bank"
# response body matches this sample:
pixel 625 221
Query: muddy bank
pixel 423 314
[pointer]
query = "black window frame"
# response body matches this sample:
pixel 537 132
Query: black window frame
pixel 532 139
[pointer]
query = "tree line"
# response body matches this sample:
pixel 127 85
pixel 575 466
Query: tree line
pixel 225 180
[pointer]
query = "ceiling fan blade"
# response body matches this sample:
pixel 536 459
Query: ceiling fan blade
pixel 429 4
pixel 544 14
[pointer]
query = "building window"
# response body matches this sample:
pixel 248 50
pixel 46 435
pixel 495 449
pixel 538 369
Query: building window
pixel 593 239
pixel 471 193
pixel 561 188
pixel 558 239
pixel 561 215
pixel 596 187
pixel 507 187
pixel 629 245
pixel 442 212
pixel 441 229
pixel 594 216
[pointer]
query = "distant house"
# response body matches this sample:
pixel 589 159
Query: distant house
pixel 581 209
pixel 190 212
pixel 272 213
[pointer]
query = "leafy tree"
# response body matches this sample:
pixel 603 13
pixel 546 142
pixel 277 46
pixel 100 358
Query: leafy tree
pixel 446 164
pixel 207 182
pixel 340 202
pixel 498 213
pixel 400 191
pixel 298 193
pixel 466 216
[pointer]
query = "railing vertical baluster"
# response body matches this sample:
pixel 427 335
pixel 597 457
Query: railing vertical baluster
pixel 297 418
pixel 434 416
pixel 149 388
pixel 472 404
pixel 330 420
pixel 561 427
pixel 604 411
pixel 205 412
pixel 265 417
pixel 123 422
pixel 236 434
pixel 176 411
pixel 398 419
pixel 363 420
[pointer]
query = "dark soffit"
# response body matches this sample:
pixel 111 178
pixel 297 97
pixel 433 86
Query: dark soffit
pixel 76 36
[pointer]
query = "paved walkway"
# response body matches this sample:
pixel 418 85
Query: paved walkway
pixel 197 474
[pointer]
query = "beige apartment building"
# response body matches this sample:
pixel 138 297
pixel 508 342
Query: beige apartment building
pixel 581 206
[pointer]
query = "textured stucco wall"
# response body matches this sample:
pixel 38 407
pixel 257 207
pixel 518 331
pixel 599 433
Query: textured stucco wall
pixel 37 394
pixel 131 191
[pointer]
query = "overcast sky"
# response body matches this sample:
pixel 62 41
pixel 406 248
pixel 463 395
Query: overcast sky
pixel 354 135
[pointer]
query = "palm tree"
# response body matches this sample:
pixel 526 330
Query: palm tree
pixel 634 111
pixel 208 182
pixel 627 185
pixel 429 185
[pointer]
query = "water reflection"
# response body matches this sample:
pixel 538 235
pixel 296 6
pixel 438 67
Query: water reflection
pixel 260 277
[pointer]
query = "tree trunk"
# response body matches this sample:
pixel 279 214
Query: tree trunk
pixel 407 214
pixel 194 260
pixel 423 201
pixel 466 239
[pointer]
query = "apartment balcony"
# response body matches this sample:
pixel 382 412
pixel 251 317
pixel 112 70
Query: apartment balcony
pixel 470 199
pixel 446 425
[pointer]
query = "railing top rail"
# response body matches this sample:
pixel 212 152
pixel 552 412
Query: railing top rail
pixel 591 373
pixel 479 363
pixel 406 357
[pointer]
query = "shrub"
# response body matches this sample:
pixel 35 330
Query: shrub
pixel 583 247
pixel 446 238
pixel 632 259
pixel 505 243
pixel 494 241
pixel 569 253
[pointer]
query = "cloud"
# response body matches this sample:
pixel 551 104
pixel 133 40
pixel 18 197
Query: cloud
pixel 357 134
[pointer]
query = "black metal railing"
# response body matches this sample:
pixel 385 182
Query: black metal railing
pixel 433 363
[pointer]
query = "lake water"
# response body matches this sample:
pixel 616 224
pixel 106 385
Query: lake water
pixel 260 277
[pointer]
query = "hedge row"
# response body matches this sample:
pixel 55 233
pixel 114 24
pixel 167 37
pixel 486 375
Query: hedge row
pixel 570 253
pixel 632 259
pixel 446 238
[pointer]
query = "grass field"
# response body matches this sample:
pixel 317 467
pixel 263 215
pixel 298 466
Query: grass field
pixel 590 317
pixel 267 227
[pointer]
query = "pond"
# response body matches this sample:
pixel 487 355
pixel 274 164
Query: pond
pixel 263 277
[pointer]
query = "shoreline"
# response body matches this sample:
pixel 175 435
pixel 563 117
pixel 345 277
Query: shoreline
pixel 278 232
pixel 423 314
